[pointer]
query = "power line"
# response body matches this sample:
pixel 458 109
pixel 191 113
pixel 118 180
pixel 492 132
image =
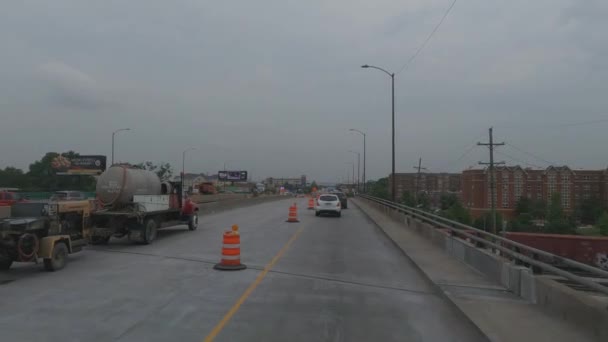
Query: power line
pixel 518 160
pixel 468 148
pixel 530 154
pixel 557 125
pixel 428 38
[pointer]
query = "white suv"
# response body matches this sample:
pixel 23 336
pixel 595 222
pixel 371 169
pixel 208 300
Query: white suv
pixel 328 203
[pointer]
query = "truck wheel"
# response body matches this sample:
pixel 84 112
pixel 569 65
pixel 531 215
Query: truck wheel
pixel 100 240
pixel 193 222
pixel 149 232
pixel 58 258
pixel 5 260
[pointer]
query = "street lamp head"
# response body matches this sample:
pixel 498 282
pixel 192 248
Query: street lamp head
pixel 364 66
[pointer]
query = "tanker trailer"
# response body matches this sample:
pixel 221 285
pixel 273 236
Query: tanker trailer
pixel 134 203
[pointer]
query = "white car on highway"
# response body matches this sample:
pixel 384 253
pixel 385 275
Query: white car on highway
pixel 328 204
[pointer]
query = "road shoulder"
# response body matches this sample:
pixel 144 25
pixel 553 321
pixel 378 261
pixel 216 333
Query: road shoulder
pixel 498 313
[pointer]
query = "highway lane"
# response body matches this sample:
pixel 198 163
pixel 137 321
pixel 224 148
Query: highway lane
pixel 332 279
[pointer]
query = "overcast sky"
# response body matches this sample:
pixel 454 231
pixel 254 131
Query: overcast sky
pixel 273 86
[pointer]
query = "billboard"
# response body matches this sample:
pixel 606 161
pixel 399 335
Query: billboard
pixel 232 176
pixel 81 165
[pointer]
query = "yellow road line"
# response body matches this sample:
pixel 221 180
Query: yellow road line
pixel 218 328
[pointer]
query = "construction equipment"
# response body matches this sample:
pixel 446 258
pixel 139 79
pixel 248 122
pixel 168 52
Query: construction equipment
pixel 136 204
pixel 207 188
pixel 44 230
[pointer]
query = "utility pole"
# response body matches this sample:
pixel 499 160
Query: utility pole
pixel 491 145
pixel 419 167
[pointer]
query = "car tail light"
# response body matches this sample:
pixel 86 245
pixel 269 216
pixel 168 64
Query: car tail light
pixel 337 205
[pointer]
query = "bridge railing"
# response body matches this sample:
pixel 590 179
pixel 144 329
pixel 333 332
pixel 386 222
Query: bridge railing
pixel 510 248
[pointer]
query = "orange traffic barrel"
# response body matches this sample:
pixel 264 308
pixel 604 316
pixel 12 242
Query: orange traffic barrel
pixel 293 214
pixel 231 251
pixel 311 203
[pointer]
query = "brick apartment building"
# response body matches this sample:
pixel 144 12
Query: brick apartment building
pixel 432 183
pixel 513 182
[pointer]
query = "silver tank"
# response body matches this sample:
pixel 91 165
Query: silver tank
pixel 118 184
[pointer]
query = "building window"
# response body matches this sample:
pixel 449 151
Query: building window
pixel 539 195
pixel 528 187
pixel 585 177
pixel 552 185
pixel 566 195
pixel 586 187
pixel 565 177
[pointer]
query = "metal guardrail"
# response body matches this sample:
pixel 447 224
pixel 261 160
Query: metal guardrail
pixel 505 245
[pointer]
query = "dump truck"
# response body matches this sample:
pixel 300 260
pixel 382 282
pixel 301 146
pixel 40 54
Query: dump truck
pixel 207 188
pixel 135 203
pixel 46 231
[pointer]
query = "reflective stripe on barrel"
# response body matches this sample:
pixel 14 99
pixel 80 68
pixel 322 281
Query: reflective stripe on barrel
pixel 231 249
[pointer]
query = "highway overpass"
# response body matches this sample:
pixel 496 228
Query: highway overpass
pixel 370 275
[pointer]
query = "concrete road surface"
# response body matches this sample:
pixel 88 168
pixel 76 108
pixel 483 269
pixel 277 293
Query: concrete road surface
pixel 323 279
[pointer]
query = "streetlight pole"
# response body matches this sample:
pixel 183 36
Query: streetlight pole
pixel 363 134
pixel 113 134
pixel 392 76
pixel 358 167
pixel 353 178
pixel 184 168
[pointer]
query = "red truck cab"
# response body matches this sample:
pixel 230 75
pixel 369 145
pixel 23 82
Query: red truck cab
pixel 8 198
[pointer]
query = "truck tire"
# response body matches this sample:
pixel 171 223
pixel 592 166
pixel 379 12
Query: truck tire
pixel 58 258
pixel 193 222
pixel 5 260
pixel 150 231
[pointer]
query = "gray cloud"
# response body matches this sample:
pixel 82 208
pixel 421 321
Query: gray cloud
pixel 72 88
pixel 273 86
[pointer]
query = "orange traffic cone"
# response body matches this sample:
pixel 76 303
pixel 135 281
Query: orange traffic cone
pixel 231 252
pixel 311 203
pixel 293 214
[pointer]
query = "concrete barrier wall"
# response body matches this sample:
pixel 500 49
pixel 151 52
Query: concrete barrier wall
pixel 578 307
pixel 233 203
pixel 198 198
pixel 573 306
